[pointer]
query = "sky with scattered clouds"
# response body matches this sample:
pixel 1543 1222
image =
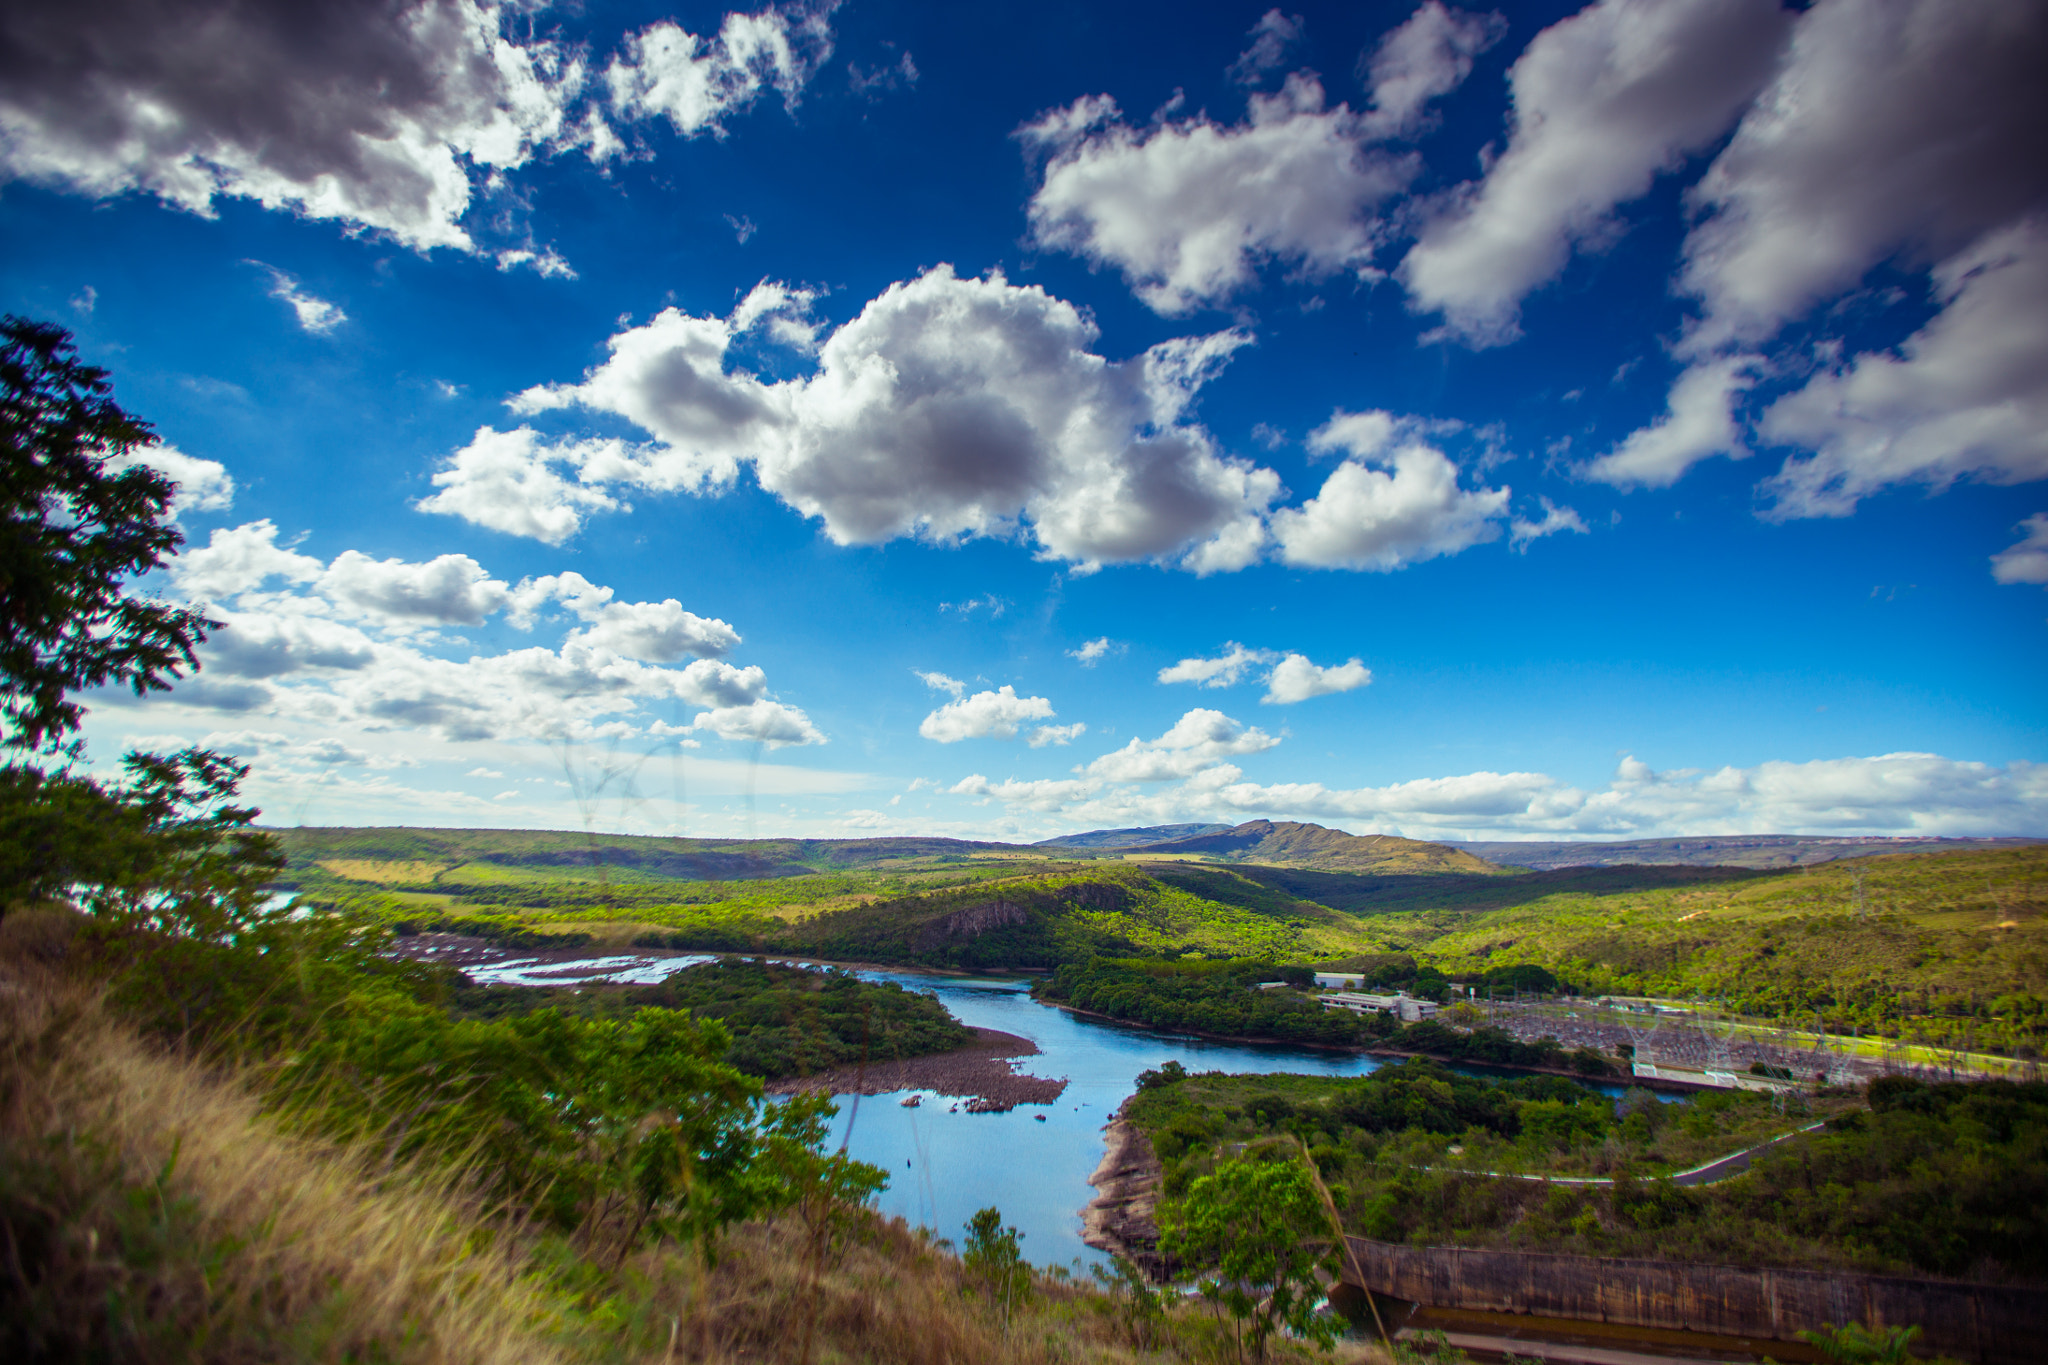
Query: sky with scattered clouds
pixel 998 421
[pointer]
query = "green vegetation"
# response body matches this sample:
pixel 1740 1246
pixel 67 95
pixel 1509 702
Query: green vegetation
pixel 1260 1231
pixel 783 1020
pixel 1227 999
pixel 1944 1179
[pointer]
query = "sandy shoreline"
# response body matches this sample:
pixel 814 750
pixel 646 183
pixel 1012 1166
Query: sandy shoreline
pixel 984 1072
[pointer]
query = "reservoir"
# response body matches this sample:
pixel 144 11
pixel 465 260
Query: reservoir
pixel 944 1164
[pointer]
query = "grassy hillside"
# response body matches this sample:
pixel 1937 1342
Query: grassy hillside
pixel 1727 850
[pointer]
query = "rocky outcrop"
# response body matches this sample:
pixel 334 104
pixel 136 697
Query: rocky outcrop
pixel 972 922
pixel 1121 1218
pixel 1097 895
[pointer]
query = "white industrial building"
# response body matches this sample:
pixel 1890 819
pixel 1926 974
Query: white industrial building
pixel 1405 1007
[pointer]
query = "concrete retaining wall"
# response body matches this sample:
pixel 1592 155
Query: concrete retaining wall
pixel 1987 1324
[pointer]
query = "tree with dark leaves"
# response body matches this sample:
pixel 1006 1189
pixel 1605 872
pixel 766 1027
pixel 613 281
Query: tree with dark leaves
pixel 74 530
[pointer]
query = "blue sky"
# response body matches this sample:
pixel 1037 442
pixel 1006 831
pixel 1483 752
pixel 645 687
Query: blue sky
pixel 998 421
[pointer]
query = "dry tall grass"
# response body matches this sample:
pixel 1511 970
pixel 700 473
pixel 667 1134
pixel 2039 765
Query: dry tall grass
pixel 151 1210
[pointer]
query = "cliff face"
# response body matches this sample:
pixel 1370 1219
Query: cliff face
pixel 968 923
pixel 1121 1219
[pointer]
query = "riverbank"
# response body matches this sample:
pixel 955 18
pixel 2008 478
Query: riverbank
pixel 1616 1077
pixel 984 1073
pixel 1122 1218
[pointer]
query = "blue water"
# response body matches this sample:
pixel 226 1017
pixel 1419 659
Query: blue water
pixel 943 1166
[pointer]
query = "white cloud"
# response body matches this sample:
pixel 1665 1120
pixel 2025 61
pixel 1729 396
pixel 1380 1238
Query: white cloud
pixel 939 682
pixel 1555 519
pixel 1093 651
pixel 1271 37
pixel 1295 679
pixel 1965 396
pixel 1222 671
pixel 947 409
pixel 483 772
pixel 449 590
pixel 375 116
pixel 1188 209
pixel 1061 735
pixel 2025 561
pixel 1200 739
pixel 656 632
pixel 1425 58
pixel 1603 101
pixel 694 82
pixel 1895 794
pixel 285 652
pixel 203 485
pixel 1699 421
pixel 1381 520
pixel 394 117
pixel 985 714
pixel 1916 125
pixel 314 315
pixel 506 480
pixel 237 559
pixel 765 722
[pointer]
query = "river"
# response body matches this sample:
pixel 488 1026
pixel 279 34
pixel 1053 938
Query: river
pixel 943 1165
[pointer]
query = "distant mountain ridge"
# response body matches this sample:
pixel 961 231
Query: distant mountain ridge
pixel 1717 850
pixel 1292 842
pixel 1129 838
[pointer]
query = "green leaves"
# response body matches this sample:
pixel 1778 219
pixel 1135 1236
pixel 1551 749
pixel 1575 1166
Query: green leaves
pixel 1260 1229
pixel 72 534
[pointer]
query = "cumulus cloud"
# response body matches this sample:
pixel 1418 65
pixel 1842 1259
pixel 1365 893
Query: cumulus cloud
pixel 1699 421
pixel 392 116
pixel 236 559
pixel 656 632
pixel 1093 651
pixel 696 82
pixel 1200 739
pixel 1188 209
pixel 1966 396
pixel 939 682
pixel 449 590
pixel 768 723
pixel 1295 679
pixel 2025 561
pixel 203 485
pixel 347 643
pixel 1061 735
pixel 949 408
pixel 1603 102
pixel 1383 519
pixel 1914 126
pixel 984 715
pixel 314 315
pixel 1424 59
pixel 507 481
pixel 1222 671
pixel 375 115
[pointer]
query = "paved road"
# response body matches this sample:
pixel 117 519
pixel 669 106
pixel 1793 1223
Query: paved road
pixel 1720 1168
